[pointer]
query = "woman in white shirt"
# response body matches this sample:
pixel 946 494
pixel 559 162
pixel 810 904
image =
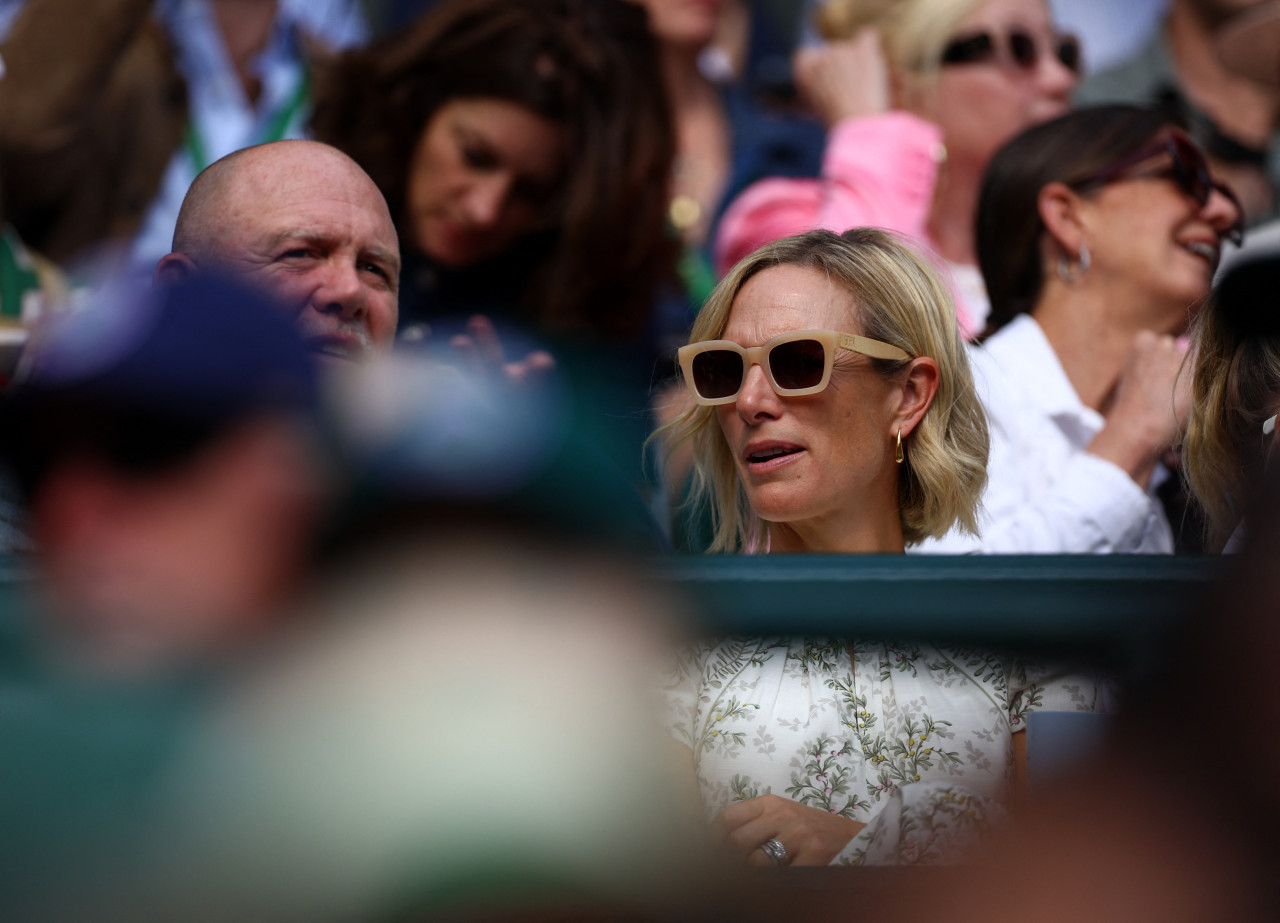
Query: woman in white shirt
pixel 1098 235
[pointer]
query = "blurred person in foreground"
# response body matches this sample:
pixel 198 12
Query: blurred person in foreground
pixel 834 412
pixel 163 441
pixel 1098 233
pixel 917 95
pixel 461 720
pixel 1150 833
pixel 1231 433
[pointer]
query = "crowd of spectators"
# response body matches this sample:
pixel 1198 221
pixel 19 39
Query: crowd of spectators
pixel 356 358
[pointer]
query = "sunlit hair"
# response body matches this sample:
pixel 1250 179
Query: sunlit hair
pixel 589 67
pixel 1010 233
pixel 901 301
pixel 1235 386
pixel 914 32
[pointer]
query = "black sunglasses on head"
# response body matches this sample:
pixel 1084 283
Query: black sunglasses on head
pixel 1017 46
pixel 1188 168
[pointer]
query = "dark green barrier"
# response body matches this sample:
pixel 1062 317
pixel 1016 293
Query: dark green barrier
pixel 1028 600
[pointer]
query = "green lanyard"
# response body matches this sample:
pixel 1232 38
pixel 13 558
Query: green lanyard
pixel 698 276
pixel 274 130
pixel 16 276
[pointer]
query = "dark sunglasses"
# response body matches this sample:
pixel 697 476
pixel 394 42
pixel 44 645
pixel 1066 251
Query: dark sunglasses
pixel 1023 50
pixel 795 363
pixel 1188 169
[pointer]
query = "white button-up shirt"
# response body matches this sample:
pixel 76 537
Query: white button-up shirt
pixel 1045 493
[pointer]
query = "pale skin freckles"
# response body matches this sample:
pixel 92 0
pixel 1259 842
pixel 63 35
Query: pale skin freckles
pixel 839 490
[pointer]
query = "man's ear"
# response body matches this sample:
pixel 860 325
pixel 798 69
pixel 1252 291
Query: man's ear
pixel 1060 212
pixel 173 268
pixel 919 388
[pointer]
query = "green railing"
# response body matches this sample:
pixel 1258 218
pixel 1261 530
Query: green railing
pixel 1027 600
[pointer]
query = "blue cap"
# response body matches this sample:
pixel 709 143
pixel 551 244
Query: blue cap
pixel 203 349
pixel 142 378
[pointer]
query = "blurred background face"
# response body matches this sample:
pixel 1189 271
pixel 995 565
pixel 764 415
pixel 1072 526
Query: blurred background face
pixel 485 173
pixel 814 456
pixel 683 22
pixel 148 570
pixel 981 104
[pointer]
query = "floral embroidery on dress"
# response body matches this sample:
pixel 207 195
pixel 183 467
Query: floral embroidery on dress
pixel 913 740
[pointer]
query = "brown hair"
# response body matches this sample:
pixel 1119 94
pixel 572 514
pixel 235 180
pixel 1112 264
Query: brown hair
pixel 1068 149
pixel 588 66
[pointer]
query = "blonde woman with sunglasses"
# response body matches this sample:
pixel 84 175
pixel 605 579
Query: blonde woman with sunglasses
pixel 833 411
pixel 916 95
pixel 1098 236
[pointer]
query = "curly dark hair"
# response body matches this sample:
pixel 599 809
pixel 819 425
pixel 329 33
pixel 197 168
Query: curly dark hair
pixel 588 66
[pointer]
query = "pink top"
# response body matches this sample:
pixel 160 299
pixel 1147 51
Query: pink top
pixel 877 171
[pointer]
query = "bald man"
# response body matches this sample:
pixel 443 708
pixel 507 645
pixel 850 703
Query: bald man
pixel 304 221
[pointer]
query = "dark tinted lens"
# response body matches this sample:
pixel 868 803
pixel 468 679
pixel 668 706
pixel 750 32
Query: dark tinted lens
pixel 969 50
pixel 1068 52
pixel 1022 47
pixel 717 372
pixel 798 364
pixel 1191 170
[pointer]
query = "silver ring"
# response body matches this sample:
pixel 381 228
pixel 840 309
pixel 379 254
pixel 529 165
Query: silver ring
pixel 775 851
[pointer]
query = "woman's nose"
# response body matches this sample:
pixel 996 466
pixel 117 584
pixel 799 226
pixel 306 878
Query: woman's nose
pixel 1221 210
pixel 485 200
pixel 757 397
pixel 1057 81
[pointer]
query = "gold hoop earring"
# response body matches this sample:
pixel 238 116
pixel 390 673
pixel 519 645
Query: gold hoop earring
pixel 898 455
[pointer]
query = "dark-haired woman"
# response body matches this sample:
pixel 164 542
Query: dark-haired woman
pixel 524 148
pixel 1098 235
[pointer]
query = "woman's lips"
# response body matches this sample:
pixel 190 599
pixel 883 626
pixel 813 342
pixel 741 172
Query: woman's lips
pixel 764 457
pixel 1207 249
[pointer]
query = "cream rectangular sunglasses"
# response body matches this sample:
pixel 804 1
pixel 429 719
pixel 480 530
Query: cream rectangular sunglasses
pixel 795 363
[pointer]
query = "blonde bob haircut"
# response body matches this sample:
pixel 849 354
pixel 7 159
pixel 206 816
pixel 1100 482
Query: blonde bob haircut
pixel 914 32
pixel 902 302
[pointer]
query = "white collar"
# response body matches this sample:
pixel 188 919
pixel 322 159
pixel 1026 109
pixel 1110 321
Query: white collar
pixel 1024 356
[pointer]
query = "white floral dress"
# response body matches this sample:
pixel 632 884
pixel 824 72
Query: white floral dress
pixel 913 740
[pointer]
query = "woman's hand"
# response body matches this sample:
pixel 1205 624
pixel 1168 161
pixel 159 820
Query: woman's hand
pixel 844 79
pixel 811 836
pixel 1149 410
